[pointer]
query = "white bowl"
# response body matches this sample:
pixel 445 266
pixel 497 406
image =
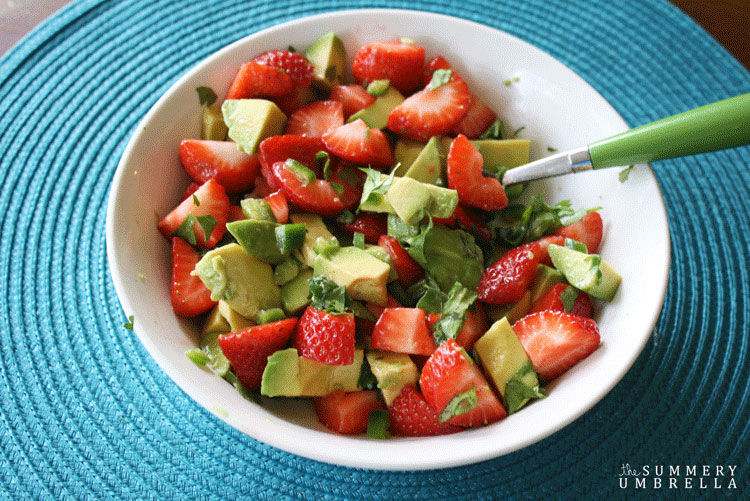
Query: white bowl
pixel 557 108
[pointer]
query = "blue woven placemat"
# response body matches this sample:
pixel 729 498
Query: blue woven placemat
pixel 86 413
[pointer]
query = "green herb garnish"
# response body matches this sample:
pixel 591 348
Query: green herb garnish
pixel 196 201
pixel 460 404
pixel 324 163
pixel 453 313
pixel 568 298
pixel 518 131
pixel 517 392
pixel 576 245
pixel 495 131
pixel 376 186
pixel 367 380
pixel 206 96
pixel 439 78
pixel 378 424
pixel 327 296
pixel 358 240
pixel 625 173
pixel 129 324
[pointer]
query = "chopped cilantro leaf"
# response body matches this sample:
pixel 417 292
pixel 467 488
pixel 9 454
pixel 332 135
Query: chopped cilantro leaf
pixel 207 222
pixel 376 186
pixel 507 83
pixel 196 201
pixel 206 96
pixel 432 299
pixel 378 424
pixel 291 48
pixel 367 380
pixel 568 298
pixel 453 313
pixel 358 240
pixel 129 324
pixel 324 163
pixel 576 245
pixel 595 260
pixel 198 357
pixel 339 189
pixel 517 391
pixel 327 296
pixel 625 173
pixel 439 78
pixel 518 131
pixel 345 217
pixel 495 131
pixel 186 230
pixel 551 149
pixel 231 377
pixel 460 404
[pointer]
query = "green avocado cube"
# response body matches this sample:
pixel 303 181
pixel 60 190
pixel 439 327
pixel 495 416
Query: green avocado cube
pixel 213 127
pixel 250 121
pixel 588 272
pixel 328 57
pixel 376 115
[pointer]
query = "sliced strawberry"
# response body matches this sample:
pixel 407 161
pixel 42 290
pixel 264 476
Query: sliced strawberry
pixel 407 269
pixel 295 65
pixel 192 188
pixel 436 63
pixel 465 176
pixel 552 301
pixel 325 337
pixel 235 213
pixel 477 120
pixel 235 170
pixel 450 372
pixel 475 325
pixel 411 416
pixel 430 113
pixel 317 197
pixel 472 222
pixel 279 206
pixel 351 180
pixel 545 242
pixel 280 148
pixel 212 201
pixel 359 144
pixel 555 341
pixel 588 231
pixel 291 102
pixel 378 310
pixel 403 330
pixel 399 62
pixel 353 97
pixel 315 119
pixel 371 225
pixel 259 80
pixel 248 349
pixel 190 297
pixel 347 413
pixel 261 189
pixel 510 276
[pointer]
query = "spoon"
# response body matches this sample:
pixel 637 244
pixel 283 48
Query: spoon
pixel 716 126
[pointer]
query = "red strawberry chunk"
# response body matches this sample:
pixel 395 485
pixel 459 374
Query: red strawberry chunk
pixel 371 225
pixel 325 337
pixel 472 222
pixel 235 213
pixel 399 62
pixel 235 170
pixel 430 113
pixel 465 176
pixel 545 242
pixel 411 416
pixel 587 231
pixel 248 349
pixel 261 189
pixel 551 300
pixel 450 372
pixel 212 201
pixel 279 206
pixel 347 413
pixel 510 276
pixel 317 197
pixel 192 188
pixel 407 269
pixel 353 97
pixel 359 144
pixel 280 148
pixel 190 297
pixel 289 103
pixel 295 65
pixel 351 180
pixel 259 80
pixel 555 341
pixel 316 118
pixel 403 330
pixel 436 63
pixel 477 120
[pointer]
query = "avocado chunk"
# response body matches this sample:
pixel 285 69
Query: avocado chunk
pixel 588 272
pixel 258 238
pixel 504 358
pixel 286 270
pixel 257 209
pixel 393 371
pixel 294 294
pixel 409 199
pixel 214 322
pixel 250 121
pixel 364 276
pixel 315 228
pixel 235 320
pixel 213 127
pixel 513 312
pixel 289 375
pixel 380 253
pixel 376 115
pixel 210 346
pixel 442 201
pixel 328 57
pixel 498 153
pixel 428 166
pixel 244 282
pixel 404 154
pixel 545 278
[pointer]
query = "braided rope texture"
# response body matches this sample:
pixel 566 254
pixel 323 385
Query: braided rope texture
pixel 86 413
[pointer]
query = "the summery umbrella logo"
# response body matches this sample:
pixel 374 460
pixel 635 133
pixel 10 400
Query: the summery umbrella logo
pixel 659 476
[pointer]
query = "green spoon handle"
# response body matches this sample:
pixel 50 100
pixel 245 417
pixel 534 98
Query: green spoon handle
pixel 716 126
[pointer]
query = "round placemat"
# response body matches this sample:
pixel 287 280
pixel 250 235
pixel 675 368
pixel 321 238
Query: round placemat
pixel 86 413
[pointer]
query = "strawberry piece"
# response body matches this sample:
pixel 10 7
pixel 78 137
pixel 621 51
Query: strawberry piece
pixel 411 416
pixel 279 206
pixel 259 80
pixel 280 148
pixel 212 201
pixel 472 222
pixel 465 176
pixel 192 188
pixel 359 144
pixel 510 276
pixel 477 120
pixel 353 98
pixel 449 372
pixel 377 310
pixel 403 330
pixel 261 189
pixel 588 231
pixel 315 119
pixel 190 297
pixel 347 413
pixel 555 341
pixel 235 170
pixel 436 63
pixel 351 180
pixel 317 197
pixel 371 225
pixel 399 62
pixel 289 103
pixel 475 325
pixel 544 242
pixel 551 301
pixel 235 213
pixel 407 268
pixel 295 65
pixel 430 113
pixel 326 338
pixel 248 349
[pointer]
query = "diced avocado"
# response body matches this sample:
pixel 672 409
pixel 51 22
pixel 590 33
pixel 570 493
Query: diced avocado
pixel 380 253
pixel 497 153
pixel 272 315
pixel 315 228
pixel 289 375
pixel 243 281
pixel 294 294
pixel 290 237
pixel 377 204
pixel 545 278
pixel 328 57
pixel 286 270
pixel 513 312
pixel 399 229
pixel 588 272
pixel 257 209
pixel 502 357
pixel 250 121
pixel 258 238
pixel 410 199
pixel 444 201
pixel 404 154
pixel 376 115
pixel 214 322
pixel 364 276
pixel 210 346
pixel 235 320
pixel 213 127
pixel 427 167
pixel 393 371
pixel 378 87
